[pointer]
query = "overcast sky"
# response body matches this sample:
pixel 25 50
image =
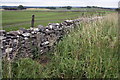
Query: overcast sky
pixel 100 3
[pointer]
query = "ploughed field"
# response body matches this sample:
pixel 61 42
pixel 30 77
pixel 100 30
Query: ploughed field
pixel 14 20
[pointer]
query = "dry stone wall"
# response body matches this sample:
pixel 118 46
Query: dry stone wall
pixel 35 41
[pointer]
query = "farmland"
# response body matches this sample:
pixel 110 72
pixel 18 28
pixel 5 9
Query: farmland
pixel 88 51
pixel 14 20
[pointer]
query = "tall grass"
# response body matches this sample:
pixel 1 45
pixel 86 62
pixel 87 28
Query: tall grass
pixel 89 51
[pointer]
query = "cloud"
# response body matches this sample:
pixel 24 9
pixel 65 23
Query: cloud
pixel 100 3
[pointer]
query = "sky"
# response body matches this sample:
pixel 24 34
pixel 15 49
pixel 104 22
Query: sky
pixel 99 3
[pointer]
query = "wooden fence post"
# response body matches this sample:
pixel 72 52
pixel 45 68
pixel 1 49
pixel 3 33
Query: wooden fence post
pixel 32 21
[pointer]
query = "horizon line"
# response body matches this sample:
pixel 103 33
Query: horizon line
pixel 62 6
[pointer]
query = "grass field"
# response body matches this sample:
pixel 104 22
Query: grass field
pixel 89 51
pixel 13 20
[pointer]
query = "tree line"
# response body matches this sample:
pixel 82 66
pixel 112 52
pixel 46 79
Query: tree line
pixel 20 7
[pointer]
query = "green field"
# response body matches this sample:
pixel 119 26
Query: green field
pixel 13 20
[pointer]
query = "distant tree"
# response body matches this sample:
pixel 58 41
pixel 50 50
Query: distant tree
pixel 20 7
pixel 94 6
pixel 63 7
pixel 118 9
pixel 10 8
pixel 89 7
pixel 51 7
pixel 69 7
pixel 6 8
